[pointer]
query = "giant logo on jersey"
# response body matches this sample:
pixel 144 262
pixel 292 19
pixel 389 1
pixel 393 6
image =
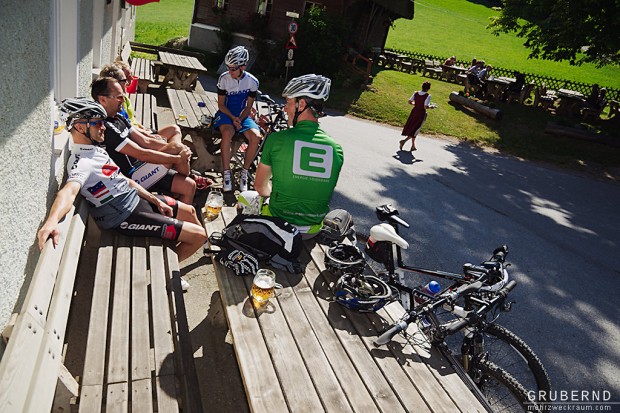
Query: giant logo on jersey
pixel 313 160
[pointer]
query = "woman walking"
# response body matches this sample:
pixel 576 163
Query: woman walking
pixel 421 101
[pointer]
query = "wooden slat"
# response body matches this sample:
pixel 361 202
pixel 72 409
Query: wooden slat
pixel 140 346
pixel 91 398
pixel 162 328
pixel 42 388
pixel 257 371
pixel 166 395
pixel 370 373
pixel 117 399
pixel 118 370
pixel 186 371
pixel 142 396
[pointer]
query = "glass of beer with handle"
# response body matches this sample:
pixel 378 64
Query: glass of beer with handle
pixel 264 287
pixel 213 206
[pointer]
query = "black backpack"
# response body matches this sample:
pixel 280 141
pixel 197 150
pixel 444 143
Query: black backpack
pixel 267 238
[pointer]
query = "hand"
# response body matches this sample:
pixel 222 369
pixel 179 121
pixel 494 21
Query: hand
pixel 164 208
pixel 48 230
pixel 237 123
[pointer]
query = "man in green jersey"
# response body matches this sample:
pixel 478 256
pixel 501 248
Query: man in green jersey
pixel 299 166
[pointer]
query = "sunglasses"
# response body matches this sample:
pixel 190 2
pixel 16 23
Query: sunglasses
pixel 233 68
pixel 122 80
pixel 96 123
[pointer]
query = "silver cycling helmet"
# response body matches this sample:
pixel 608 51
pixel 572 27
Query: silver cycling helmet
pixel 312 86
pixel 80 108
pixel 344 258
pixel 363 293
pixel 237 56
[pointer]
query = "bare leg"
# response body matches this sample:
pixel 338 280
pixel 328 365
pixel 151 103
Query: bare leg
pixel 402 142
pixel 172 133
pixel 192 235
pixel 413 148
pixel 253 137
pixel 185 187
pixel 228 131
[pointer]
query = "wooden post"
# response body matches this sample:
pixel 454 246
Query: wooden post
pixel 478 107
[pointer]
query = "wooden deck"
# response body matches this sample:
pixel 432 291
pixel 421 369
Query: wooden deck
pixel 305 353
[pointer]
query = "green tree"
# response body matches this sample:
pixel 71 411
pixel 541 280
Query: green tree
pixel 579 31
pixel 322 42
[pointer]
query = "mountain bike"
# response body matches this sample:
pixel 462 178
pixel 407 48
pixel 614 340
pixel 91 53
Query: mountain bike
pixel 481 335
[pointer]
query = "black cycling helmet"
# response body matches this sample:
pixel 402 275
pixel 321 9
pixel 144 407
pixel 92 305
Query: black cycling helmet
pixel 81 108
pixel 363 293
pixel 344 258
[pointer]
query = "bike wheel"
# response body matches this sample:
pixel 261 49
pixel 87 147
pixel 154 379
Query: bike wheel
pixel 511 353
pixel 503 392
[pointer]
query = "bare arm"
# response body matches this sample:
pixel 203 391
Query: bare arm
pixel 153 156
pixel 248 108
pixel 146 140
pixel 62 205
pixel 262 182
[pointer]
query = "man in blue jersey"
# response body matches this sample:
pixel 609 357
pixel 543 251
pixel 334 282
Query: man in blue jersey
pixel 236 92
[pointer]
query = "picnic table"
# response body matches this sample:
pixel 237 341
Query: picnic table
pixel 570 102
pixel 451 72
pixel 182 70
pixel 496 88
pixel 303 352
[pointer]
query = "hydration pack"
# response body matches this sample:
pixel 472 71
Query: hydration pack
pixel 267 238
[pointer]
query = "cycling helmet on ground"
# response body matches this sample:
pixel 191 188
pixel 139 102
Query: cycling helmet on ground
pixel 237 56
pixel 363 293
pixel 81 108
pixel 343 258
pixel 312 86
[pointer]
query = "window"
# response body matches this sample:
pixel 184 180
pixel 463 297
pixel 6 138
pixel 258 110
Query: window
pixel 264 7
pixel 221 4
pixel 310 4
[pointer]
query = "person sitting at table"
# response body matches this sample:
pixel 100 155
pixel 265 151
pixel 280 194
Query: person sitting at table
pixel 155 165
pixel 117 202
pixel 170 134
pixel 473 71
pixel 516 86
pixel 236 91
pixel 451 61
pixel 593 97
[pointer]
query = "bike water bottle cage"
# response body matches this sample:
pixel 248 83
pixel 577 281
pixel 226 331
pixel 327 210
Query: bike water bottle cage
pixel 344 258
pixel 385 232
pixel 362 293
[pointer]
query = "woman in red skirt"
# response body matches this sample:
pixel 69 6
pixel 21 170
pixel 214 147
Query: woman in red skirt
pixel 421 101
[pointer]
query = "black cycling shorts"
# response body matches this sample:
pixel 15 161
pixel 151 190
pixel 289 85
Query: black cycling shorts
pixel 146 221
pixel 165 183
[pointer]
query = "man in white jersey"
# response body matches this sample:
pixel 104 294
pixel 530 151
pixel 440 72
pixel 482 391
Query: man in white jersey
pixel 117 201
pixel 236 92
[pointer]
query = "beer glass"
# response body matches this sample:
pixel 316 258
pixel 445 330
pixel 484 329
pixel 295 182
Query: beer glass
pixel 264 287
pixel 213 206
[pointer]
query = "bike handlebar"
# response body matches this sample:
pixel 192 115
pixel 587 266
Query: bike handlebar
pixel 387 336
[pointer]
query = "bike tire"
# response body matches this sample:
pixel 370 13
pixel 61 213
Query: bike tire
pixel 503 392
pixel 511 353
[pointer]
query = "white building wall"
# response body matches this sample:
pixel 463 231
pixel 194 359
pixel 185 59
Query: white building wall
pixel 29 174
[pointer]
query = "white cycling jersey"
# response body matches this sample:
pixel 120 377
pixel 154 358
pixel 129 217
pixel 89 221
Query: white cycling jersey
pixel 237 90
pixel 101 184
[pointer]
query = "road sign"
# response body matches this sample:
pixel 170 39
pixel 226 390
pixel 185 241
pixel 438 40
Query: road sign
pixel 292 43
pixel 290 54
pixel 289 63
pixel 292 27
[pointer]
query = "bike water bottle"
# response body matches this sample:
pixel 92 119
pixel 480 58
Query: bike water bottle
pixel 432 288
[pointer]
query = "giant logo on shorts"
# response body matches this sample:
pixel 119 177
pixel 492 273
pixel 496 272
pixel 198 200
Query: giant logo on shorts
pixel 313 159
pixel 139 227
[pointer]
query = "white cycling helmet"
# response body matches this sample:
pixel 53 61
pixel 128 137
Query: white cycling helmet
pixel 237 56
pixel 81 108
pixel 312 86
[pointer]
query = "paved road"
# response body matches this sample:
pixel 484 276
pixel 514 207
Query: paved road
pixel 563 232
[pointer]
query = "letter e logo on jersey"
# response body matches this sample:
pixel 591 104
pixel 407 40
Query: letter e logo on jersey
pixel 312 159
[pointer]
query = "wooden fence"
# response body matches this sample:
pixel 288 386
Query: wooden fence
pixel 538 80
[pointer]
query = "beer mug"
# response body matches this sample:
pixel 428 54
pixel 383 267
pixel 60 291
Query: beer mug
pixel 214 204
pixel 264 287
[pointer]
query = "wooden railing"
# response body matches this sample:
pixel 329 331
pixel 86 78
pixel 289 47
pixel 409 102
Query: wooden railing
pixel 359 63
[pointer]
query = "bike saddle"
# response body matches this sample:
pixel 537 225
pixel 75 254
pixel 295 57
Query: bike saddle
pixel 385 232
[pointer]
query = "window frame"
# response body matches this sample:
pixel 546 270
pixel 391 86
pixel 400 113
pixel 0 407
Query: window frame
pixel 268 8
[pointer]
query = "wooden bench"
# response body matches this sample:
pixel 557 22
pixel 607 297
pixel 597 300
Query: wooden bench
pixel 432 69
pixel 144 69
pixel 305 353
pixel 521 96
pixel 145 107
pixel 138 352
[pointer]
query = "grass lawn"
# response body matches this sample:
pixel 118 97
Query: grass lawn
pixel 156 23
pixel 458 27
